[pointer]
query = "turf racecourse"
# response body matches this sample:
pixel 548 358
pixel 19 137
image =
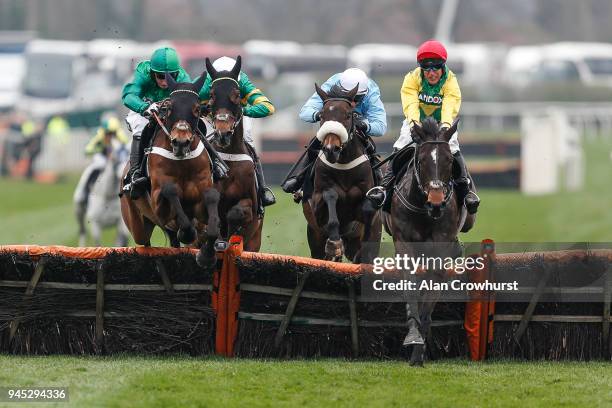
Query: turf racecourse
pixel 194 382
pixel 42 214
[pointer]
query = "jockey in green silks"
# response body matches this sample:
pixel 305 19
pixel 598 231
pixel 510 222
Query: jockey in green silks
pixel 142 96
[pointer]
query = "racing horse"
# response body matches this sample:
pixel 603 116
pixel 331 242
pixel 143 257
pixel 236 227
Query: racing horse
pixel 238 202
pixel 101 207
pixel 182 199
pixel 425 218
pixel 341 221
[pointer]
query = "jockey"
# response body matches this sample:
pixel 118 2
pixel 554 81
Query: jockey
pixel 255 105
pixel 99 147
pixel 142 96
pixel 430 90
pixel 370 119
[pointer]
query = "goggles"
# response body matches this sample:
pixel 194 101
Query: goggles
pixel 431 66
pixel 162 75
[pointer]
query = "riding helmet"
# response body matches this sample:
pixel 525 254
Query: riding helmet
pixel 431 49
pixel 165 60
pixel 352 77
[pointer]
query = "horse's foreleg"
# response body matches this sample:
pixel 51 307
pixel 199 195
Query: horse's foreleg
pixel 186 231
pixel 96 233
pixel 239 217
pixel 333 247
pixel 430 299
pixel 122 234
pixel 80 210
pixel 172 236
pixel 206 255
pixel 370 240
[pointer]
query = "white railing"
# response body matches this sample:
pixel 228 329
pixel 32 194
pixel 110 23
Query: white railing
pixel 593 119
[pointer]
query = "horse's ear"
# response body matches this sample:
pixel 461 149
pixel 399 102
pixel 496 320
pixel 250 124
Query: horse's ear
pixel 210 69
pixel 416 133
pixel 352 93
pixel 171 81
pixel 321 92
pixel 236 70
pixel 199 83
pixel 451 130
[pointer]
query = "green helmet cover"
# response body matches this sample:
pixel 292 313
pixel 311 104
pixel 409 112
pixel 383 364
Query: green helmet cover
pixel 165 60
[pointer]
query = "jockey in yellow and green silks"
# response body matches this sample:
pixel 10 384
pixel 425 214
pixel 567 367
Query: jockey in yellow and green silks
pixel 254 105
pixel 98 148
pixel 430 90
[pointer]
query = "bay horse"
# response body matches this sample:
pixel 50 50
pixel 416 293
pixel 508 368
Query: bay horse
pixel 182 198
pixel 425 216
pixel 238 201
pixel 341 220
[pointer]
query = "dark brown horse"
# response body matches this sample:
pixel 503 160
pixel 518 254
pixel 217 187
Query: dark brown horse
pixel 425 219
pixel 341 221
pixel 238 203
pixel 182 198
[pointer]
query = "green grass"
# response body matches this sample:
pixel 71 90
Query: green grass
pixel 187 382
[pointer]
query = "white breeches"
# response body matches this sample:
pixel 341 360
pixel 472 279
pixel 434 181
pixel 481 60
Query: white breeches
pixel 136 123
pixel 405 137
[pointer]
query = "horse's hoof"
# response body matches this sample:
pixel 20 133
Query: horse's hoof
pixel 186 235
pixel 334 250
pixel 416 363
pixel 205 263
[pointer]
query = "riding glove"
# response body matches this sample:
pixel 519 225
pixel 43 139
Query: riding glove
pixel 153 108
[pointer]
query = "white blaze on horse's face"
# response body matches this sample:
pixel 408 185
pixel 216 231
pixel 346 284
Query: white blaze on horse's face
pixel 434 155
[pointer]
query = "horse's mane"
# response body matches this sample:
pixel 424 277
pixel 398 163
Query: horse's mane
pixel 336 91
pixel 430 127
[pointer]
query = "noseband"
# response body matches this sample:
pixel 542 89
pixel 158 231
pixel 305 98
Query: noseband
pixel 165 105
pixel 448 189
pixel 225 117
pixel 352 127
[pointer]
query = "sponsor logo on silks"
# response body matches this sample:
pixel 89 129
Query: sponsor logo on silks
pixel 432 100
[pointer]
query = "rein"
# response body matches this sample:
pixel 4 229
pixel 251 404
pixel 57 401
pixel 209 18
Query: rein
pixel 161 125
pixel 415 167
pixel 224 117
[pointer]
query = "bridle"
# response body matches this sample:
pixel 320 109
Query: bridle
pixel 164 110
pixel 352 126
pixel 225 117
pixel 435 183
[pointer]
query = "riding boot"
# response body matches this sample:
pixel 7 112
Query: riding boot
pixel 295 179
pixel 462 185
pixel 134 182
pixel 266 196
pixel 379 195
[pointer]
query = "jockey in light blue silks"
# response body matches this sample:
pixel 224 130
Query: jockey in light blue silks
pixel 370 120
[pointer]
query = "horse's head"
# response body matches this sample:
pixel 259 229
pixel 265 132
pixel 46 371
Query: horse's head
pixel 181 113
pixel 433 164
pixel 225 104
pixel 336 120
